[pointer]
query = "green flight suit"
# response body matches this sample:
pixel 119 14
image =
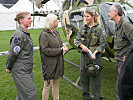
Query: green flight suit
pixel 123 38
pixel 94 39
pixel 20 62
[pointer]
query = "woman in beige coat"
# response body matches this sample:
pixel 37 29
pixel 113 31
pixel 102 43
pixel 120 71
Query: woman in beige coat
pixel 51 51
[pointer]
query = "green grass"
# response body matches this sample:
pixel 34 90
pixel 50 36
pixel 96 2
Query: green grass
pixel 67 90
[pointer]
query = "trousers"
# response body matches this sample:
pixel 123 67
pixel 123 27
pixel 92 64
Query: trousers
pixel 55 89
pixel 95 83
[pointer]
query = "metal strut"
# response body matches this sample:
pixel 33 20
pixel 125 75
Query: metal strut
pixel 73 83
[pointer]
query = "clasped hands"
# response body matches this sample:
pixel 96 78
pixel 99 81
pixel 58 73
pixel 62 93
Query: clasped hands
pixel 64 48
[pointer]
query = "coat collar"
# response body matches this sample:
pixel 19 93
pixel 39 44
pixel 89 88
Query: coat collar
pixel 119 23
pixel 49 31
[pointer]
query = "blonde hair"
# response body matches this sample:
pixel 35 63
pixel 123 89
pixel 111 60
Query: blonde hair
pixel 20 15
pixel 95 14
pixel 49 21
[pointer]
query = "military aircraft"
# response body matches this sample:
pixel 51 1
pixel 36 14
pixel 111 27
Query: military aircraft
pixel 71 17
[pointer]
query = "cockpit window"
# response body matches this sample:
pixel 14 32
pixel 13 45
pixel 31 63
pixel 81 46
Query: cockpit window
pixel 108 24
pixel 77 19
pixel 128 12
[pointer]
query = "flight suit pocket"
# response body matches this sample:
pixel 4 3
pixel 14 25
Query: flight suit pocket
pixel 84 38
pixel 94 41
pixel 29 46
pixel 24 68
pixel 16 66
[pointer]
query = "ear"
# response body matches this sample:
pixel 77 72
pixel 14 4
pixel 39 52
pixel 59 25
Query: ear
pixel 94 16
pixel 21 20
pixel 116 13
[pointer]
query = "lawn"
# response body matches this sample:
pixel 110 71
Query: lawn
pixel 67 90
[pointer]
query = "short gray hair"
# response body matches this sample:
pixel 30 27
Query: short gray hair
pixel 49 21
pixel 118 8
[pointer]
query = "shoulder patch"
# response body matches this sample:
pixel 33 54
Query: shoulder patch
pixel 17 41
pixel 103 32
pixel 16 49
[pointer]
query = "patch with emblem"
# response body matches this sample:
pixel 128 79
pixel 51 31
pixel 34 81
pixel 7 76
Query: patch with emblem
pixel 17 41
pixel 103 32
pixel 16 49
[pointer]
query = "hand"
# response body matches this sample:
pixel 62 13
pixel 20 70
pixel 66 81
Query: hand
pixel 94 54
pixel 65 49
pixel 84 48
pixel 124 58
pixel 8 71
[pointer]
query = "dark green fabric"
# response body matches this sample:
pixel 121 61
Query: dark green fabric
pixel 123 38
pixel 94 38
pixel 26 48
pixel 51 54
pixel 23 79
pixel 21 64
pixel 85 38
pixel 87 80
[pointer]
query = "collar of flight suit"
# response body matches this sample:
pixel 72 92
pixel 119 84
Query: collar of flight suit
pixel 95 24
pixel 119 23
pixel 23 30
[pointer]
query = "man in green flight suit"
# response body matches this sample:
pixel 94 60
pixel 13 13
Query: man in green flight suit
pixel 123 38
pixel 20 59
pixel 90 37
